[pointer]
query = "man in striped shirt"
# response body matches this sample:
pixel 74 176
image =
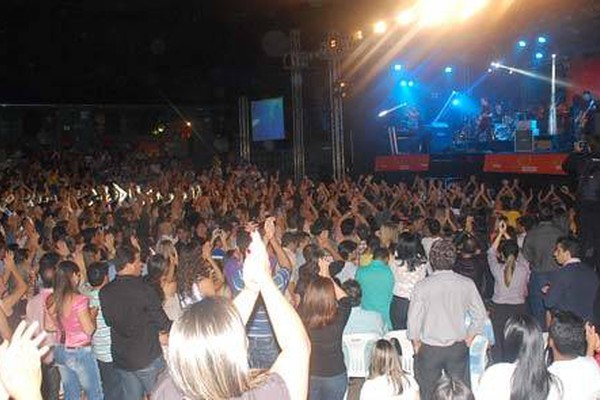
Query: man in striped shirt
pixel 97 273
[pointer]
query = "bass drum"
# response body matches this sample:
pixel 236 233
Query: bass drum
pixel 502 132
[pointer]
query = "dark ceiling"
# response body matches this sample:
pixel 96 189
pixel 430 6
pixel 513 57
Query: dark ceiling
pixel 199 50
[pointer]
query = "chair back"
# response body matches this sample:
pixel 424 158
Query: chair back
pixel 357 353
pixel 408 351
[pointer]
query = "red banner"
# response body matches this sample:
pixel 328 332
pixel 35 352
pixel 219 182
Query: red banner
pixel 550 164
pixel 405 162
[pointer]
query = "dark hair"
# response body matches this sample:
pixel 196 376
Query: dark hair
pixel 410 250
pixel 346 248
pixel 126 254
pixel 567 333
pixel 191 269
pixel 318 227
pixel 96 272
pixel 527 222
pixel 380 253
pixel 312 252
pixel 570 244
pixel 243 240
pixel 157 266
pixel 347 226
pixel 546 213
pixel 59 232
pixel 289 238
pixel 354 292
pixel 523 344
pixel 47 270
pixel 433 226
pixel 449 388
pixel 88 234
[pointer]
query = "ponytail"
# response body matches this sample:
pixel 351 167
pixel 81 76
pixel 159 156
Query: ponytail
pixel 509 269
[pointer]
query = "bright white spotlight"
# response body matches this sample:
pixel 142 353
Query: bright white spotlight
pixel 380 27
pixel 397 67
pixel 406 17
pixel 554 56
pixel 411 83
pixel 382 113
pixel 542 40
pixel 489 70
pixel 539 55
pixel 468 8
pixel 522 44
pixel 448 70
pixel 403 83
pixel 495 64
pixel 455 102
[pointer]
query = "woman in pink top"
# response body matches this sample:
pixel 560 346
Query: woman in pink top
pixel 76 323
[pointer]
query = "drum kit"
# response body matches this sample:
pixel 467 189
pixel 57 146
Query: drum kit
pixel 502 130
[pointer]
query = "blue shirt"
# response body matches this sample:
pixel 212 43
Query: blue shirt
pixel 377 284
pixel 259 324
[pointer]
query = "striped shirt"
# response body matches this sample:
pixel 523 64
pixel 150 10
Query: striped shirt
pixel 259 324
pixel 101 338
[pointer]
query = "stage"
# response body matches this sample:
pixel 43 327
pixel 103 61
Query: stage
pixel 461 164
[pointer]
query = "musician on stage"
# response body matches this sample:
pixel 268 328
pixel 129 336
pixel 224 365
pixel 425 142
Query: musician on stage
pixel 484 125
pixel 584 109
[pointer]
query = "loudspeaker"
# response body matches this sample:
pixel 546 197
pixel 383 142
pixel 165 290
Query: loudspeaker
pixel 524 141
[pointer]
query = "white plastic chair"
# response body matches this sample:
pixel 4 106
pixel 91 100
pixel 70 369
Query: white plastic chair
pixel 407 349
pixel 357 353
pixel 478 357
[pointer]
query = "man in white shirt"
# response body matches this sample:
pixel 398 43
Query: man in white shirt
pixel 579 375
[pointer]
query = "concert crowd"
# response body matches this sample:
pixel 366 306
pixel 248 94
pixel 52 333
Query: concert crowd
pixel 132 277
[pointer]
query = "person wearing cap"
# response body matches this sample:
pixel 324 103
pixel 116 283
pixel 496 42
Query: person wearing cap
pixel 436 320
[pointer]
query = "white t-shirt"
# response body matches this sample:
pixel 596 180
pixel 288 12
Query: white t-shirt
pixel 580 378
pixel 381 389
pixel 495 384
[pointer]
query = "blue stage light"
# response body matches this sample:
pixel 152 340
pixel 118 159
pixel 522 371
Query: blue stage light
pixel 411 84
pixel 539 55
pixel 522 44
pixel 455 102
pixel 403 83
pixel 397 67
pixel 542 40
pixel 448 70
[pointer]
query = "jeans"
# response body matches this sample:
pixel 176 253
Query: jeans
pixel 431 361
pixel 263 351
pixel 328 388
pixel 111 381
pixel 78 371
pixel 50 381
pixel 399 312
pixel 137 383
pixel 535 299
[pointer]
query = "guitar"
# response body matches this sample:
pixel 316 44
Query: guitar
pixel 583 117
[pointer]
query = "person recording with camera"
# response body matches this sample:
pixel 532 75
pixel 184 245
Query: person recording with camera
pixel 584 164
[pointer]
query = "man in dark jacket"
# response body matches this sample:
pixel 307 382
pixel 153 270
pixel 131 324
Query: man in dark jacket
pixel 584 165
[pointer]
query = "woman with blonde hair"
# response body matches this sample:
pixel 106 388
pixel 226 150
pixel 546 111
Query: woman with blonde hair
pixel 386 379
pixel 511 276
pixel 208 348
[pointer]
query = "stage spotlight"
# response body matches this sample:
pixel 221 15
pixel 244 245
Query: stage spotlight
pixel 553 56
pixel 403 83
pixel 411 83
pixel 455 102
pixel 448 70
pixel 397 67
pixel 188 123
pixel 358 35
pixel 470 8
pixel 542 40
pixel 406 17
pixel 489 70
pixel 539 55
pixel 510 72
pixel 495 64
pixel 333 43
pixel 522 44
pixel 379 27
